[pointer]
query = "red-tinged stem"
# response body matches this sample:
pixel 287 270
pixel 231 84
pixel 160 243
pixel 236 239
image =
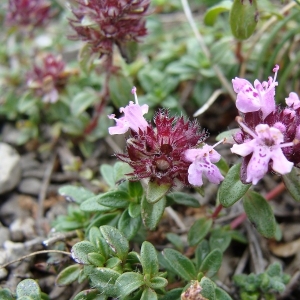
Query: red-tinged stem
pixel 217 211
pixel 272 194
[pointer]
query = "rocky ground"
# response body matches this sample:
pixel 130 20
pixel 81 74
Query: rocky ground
pixel 29 182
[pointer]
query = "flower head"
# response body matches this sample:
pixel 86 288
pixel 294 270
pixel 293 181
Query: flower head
pixel 48 77
pixel 157 153
pixel 133 117
pixel 262 150
pixel 202 164
pixel 31 13
pixel 259 97
pixel 105 23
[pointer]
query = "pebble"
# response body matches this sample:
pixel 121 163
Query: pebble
pixel 22 229
pixel 10 168
pixel 30 186
pixel 11 209
pixel 4 234
pixel 3 271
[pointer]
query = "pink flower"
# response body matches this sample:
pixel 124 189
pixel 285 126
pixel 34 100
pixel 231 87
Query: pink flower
pixel 293 100
pixel 157 154
pixel 265 149
pixel 260 97
pixel 31 13
pixel 133 117
pixel 202 164
pixel 48 77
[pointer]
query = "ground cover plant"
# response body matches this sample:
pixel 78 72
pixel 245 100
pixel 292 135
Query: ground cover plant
pixel 168 128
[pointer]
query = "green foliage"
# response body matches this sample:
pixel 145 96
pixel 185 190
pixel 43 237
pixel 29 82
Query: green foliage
pixel 260 214
pixel 232 189
pixel 243 18
pixel 266 284
pixel 291 181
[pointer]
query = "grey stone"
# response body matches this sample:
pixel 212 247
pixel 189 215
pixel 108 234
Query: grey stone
pixel 4 235
pixel 22 229
pixel 13 250
pixel 30 186
pixel 11 209
pixel 3 272
pixel 10 168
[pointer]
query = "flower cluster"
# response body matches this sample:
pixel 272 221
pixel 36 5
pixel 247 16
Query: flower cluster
pixel 104 23
pixel 167 153
pixel 48 78
pixel 269 136
pixel 31 13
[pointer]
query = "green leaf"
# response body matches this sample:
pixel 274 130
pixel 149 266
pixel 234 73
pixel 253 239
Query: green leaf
pixel 81 101
pixel 91 205
pixel 184 199
pixel 180 264
pixel 129 226
pixel 115 199
pixel 175 240
pixel 199 230
pixel 129 282
pixel 149 260
pixel 117 242
pixel 5 294
pixel 172 295
pixel 104 219
pixel 120 169
pixel 107 174
pixel 232 189
pixel 152 213
pixel 90 295
pixel 128 50
pixel 81 250
pixel 75 194
pixel 260 214
pixel 120 87
pixel 208 288
pixel 201 252
pixel 219 239
pixel 212 263
pixel 155 191
pixel 135 189
pixel 104 280
pixel 158 283
pixel 243 18
pixel 149 294
pixel 228 135
pixel 96 259
pixel 28 287
pixel 212 13
pixel 68 275
pixel 221 294
pixel 222 166
pixel 134 209
pixel 292 183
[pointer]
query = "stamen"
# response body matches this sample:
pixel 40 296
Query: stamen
pixel 246 129
pixel 275 70
pixel 133 91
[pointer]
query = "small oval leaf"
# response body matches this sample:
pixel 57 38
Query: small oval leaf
pixel 115 239
pixel 68 275
pixel 199 230
pixel 260 214
pixel 232 189
pixel 180 264
pixel 292 183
